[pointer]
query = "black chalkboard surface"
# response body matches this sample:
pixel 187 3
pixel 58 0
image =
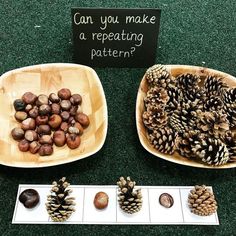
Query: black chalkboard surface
pixel 115 37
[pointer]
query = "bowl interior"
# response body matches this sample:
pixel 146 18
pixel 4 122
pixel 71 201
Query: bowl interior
pixel 46 79
pixel 142 132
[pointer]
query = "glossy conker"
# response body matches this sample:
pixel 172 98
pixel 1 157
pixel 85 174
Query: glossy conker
pixel 64 94
pixel 59 138
pixel 17 133
pixel 29 98
pixel 29 198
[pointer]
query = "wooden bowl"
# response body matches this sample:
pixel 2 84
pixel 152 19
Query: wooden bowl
pixel 142 131
pixel 45 79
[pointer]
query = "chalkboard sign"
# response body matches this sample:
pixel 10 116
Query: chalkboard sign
pixel 115 37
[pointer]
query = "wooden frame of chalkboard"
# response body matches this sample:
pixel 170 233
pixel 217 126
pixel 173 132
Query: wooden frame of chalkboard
pixel 108 37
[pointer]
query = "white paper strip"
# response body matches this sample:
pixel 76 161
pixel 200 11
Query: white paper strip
pixel 151 213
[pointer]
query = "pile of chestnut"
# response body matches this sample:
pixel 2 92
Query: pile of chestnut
pixel 47 120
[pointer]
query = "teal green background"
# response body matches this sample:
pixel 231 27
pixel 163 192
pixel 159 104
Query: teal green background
pixel 192 32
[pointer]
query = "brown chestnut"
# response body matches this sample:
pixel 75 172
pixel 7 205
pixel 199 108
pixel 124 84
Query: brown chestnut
pixel 42 100
pixel 64 126
pixel 28 123
pixel 17 133
pixel 73 110
pixel 65 105
pixel 29 198
pixel 44 110
pixel 101 200
pixel 45 150
pixel 34 112
pixel 28 107
pixel 46 139
pixel 76 99
pixel 65 115
pixel 41 120
pixel 29 98
pixel 56 108
pixel 54 121
pixel 54 98
pixel 83 119
pixel 73 141
pixel 79 127
pixel 34 147
pixel 64 93
pixel 43 129
pixel 19 105
pixel 31 135
pixel 59 138
pixel 23 145
pixel 166 200
pixel 21 115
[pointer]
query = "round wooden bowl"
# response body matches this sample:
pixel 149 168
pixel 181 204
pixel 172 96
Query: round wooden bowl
pixel 46 79
pixel 142 131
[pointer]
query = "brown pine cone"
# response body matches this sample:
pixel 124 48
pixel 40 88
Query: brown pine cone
pixel 185 142
pixel 185 117
pixel 214 104
pixel 156 97
pixel 129 198
pixel 211 151
pixel 155 117
pixel 202 201
pixel 229 99
pixel 175 96
pixel 213 122
pixel 163 140
pixel 159 76
pixel 229 139
pixel 214 86
pixel 188 81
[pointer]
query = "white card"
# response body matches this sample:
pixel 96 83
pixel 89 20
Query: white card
pixel 86 213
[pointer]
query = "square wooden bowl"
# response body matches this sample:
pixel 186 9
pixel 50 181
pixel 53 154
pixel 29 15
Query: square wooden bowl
pixel 48 78
pixel 176 70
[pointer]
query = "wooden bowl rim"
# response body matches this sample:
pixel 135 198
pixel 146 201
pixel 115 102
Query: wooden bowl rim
pixel 200 71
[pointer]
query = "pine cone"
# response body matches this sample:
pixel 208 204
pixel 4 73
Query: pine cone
pixel 211 151
pixel 163 140
pixel 187 81
pixel 185 117
pixel 213 122
pixel 214 86
pixel 229 139
pixel 59 205
pixel 156 97
pixel 229 99
pixel 175 96
pixel 155 117
pixel 159 76
pixel 214 104
pixel 185 142
pixel 202 201
pixel 130 200
pixel 194 95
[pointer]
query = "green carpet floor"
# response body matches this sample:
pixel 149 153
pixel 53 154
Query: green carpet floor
pixel 192 32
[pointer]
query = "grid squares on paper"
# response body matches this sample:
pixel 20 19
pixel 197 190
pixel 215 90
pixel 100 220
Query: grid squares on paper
pixel 151 212
pixel 91 214
pixel 160 214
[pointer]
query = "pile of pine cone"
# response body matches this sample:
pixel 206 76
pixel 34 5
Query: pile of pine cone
pixel 192 115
